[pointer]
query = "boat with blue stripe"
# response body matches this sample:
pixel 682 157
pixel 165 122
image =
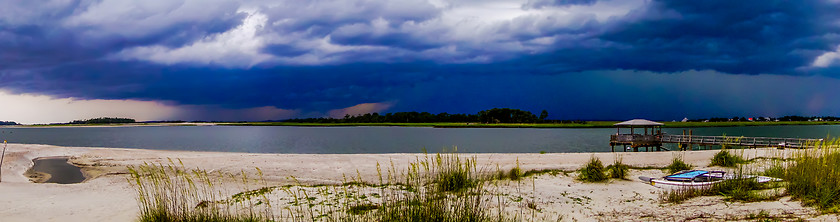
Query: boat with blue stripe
pixel 699 179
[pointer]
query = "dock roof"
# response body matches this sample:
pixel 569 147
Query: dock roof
pixel 638 122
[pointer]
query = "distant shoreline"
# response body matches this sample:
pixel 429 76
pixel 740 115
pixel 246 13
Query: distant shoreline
pixel 589 124
pixel 106 125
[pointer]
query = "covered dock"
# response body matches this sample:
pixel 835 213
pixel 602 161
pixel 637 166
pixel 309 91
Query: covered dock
pixel 642 133
pixel 648 134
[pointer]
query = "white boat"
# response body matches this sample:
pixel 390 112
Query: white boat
pixel 699 179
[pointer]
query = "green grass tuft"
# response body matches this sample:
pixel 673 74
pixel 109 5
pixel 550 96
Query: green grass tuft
pixel 515 173
pixel 454 174
pixel 677 165
pixel 725 159
pixel 618 170
pixel 777 171
pixel 593 171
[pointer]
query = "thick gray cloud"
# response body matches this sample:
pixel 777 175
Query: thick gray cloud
pixel 780 37
pixel 316 56
pixel 38 35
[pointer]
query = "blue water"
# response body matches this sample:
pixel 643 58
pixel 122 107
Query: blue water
pixel 59 170
pixel 283 139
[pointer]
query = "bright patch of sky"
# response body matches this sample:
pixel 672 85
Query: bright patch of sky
pixel 239 47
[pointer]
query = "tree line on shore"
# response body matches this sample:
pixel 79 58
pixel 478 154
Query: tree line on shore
pixel 768 119
pixel 103 120
pixel 495 115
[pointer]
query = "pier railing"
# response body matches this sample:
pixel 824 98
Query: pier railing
pixel 628 138
pixel 741 141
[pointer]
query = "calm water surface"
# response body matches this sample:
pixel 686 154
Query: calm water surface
pixel 59 170
pixel 283 139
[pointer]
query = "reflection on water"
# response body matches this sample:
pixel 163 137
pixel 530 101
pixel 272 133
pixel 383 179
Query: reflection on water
pixel 283 139
pixel 59 170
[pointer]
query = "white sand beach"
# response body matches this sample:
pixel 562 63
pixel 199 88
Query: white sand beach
pixel 107 196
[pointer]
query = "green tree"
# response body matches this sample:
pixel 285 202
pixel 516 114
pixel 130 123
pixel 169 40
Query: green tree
pixel 543 115
pixel 103 120
pixel 506 115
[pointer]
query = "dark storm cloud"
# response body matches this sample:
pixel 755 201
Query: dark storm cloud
pixel 734 37
pixel 350 23
pixel 728 36
pixel 44 34
pixel 311 88
pixel 620 95
pixel 396 39
pixel 463 56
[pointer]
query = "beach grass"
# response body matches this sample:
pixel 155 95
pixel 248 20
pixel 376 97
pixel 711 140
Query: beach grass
pixel 742 189
pixel 444 187
pixel 725 159
pixel 677 165
pixel 618 170
pixel 593 171
pixel 454 173
pixel 515 173
pixel 809 175
pixel 441 187
pixel 170 193
pixel 814 176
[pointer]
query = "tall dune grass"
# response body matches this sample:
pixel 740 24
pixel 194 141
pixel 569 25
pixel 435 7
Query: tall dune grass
pixel 442 187
pixel 811 175
pixel 814 176
pixel 447 188
pixel 170 193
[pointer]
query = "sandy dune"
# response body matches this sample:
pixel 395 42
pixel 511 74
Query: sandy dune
pixel 107 196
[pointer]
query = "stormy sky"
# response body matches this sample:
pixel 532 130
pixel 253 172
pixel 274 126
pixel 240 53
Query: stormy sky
pixel 259 60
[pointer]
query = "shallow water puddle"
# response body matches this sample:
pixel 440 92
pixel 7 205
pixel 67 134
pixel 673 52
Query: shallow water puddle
pixel 56 170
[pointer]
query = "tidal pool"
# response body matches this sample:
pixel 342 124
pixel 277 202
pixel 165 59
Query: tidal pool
pixel 55 170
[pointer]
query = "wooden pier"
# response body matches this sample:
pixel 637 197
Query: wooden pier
pixel 654 138
pixel 753 142
pixel 650 139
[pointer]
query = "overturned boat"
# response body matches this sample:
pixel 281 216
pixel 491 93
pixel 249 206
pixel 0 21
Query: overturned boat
pixel 699 179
